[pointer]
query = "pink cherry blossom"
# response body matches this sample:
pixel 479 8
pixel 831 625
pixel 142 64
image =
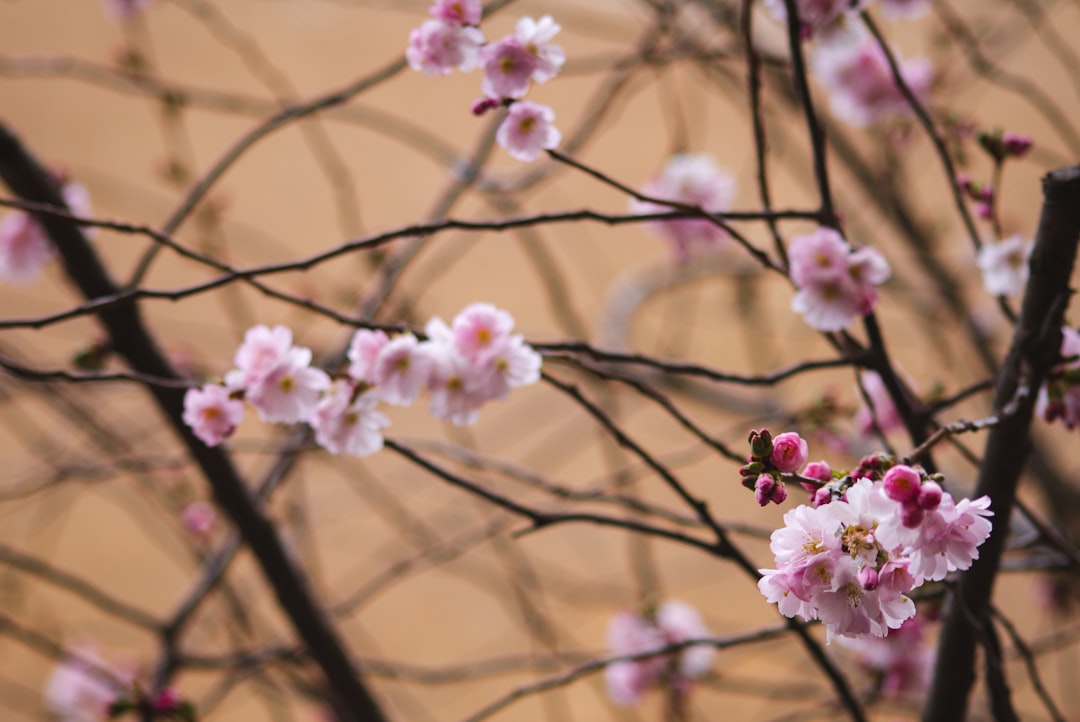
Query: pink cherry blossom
pixel 630 633
pixel 515 364
pixel 835 285
pixel 464 12
pixel 290 391
pixel 480 331
pixel 453 386
pixel 344 425
pixel 83 685
pixel 1004 265
pixel 211 413
pixel 363 353
pixel 695 180
pixel 535 36
pixel 25 248
pixel 527 130
pixel 860 82
pixel 439 46
pixel 401 370
pixel 263 350
pixel 790 452
pixel 884 412
pixel 508 68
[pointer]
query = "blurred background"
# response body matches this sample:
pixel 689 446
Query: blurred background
pixel 443 604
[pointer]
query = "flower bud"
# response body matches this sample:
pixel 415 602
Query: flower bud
pixel 789 452
pixel 1016 144
pixel 752 469
pixel 902 483
pixel 912 516
pixel 929 496
pixel 761 444
pixel 868 578
pixel 819 470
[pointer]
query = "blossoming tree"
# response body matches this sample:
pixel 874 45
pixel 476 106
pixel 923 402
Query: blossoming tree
pixel 755 400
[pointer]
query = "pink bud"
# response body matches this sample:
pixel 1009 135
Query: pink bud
pixel 868 578
pixel 789 452
pixel 984 211
pixel 929 496
pixel 819 470
pixel 1016 144
pixel 199 518
pixel 912 516
pixel 821 497
pixel 964 181
pixel 763 489
pixel 483 105
pixel 168 700
pixel 902 483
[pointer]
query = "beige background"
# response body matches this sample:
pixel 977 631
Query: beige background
pixel 351 520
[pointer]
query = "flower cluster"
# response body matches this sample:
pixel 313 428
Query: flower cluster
pixel 691 179
pixel 474 360
pixel 769 460
pixel 630 633
pixel 861 86
pixel 1059 396
pixel 25 247
pixel 835 283
pixel 451 39
pixel 869 539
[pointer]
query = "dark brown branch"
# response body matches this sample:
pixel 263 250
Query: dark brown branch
pixel 27 178
pixel 1034 349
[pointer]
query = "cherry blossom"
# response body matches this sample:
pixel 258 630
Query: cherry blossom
pixel 690 179
pixel 535 36
pixel 402 369
pixel 630 633
pixel 508 68
pixel 1004 265
pixel 263 349
pixel 25 248
pixel 212 413
pixel 527 130
pixel 904 660
pixel 861 86
pixel 835 285
pixel 439 46
pixel 347 425
pixel 290 391
pixel 79 689
pixel 465 12
pixel 364 352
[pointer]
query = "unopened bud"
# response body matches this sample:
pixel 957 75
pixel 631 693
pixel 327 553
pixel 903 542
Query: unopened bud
pixel 761 445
